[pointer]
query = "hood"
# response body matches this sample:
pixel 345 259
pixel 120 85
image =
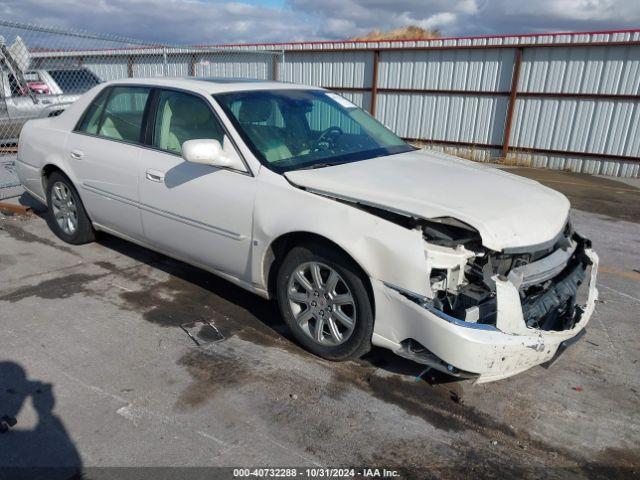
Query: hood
pixel 507 210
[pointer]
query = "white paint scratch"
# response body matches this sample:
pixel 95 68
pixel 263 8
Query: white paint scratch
pixel 95 389
pixel 211 437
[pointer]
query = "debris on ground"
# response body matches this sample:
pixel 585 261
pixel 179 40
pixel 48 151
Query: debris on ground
pixel 455 397
pixel 10 209
pixel 202 332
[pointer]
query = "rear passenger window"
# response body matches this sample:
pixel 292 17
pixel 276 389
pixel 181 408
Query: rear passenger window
pixel 183 117
pixel 122 117
pixel 91 118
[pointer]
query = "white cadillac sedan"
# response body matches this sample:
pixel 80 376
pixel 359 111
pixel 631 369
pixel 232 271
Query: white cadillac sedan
pixel 294 193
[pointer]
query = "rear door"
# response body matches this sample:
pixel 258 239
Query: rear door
pixel 104 154
pixel 202 213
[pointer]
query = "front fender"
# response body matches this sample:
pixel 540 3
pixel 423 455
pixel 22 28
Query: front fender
pixel 384 250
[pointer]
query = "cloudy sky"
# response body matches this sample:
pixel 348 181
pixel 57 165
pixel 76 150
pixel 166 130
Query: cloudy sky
pixel 220 21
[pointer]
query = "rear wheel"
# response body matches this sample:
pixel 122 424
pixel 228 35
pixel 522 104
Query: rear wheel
pixel 67 217
pixel 323 298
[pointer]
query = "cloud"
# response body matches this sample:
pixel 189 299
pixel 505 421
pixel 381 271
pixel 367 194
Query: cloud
pixel 175 21
pixel 505 16
pixel 220 21
pixel 476 17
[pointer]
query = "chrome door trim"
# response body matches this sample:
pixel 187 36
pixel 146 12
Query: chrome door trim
pixel 165 213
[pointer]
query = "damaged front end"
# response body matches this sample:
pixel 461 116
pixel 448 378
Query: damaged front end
pixel 547 280
pixel 538 297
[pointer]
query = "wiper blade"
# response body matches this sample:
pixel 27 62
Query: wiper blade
pixel 319 165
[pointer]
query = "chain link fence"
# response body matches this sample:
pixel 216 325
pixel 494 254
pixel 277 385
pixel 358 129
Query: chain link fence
pixel 44 70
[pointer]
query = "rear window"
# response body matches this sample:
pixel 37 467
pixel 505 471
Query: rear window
pixel 93 115
pixel 74 81
pixel 116 113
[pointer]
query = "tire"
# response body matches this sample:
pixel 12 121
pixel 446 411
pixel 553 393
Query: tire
pixel 338 341
pixel 63 201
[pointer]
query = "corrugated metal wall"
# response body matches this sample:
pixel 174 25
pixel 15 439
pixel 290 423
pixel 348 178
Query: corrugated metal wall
pixel 329 69
pixel 444 116
pixel 575 104
pixel 113 66
pixel 572 103
pixel 240 65
pixel 593 125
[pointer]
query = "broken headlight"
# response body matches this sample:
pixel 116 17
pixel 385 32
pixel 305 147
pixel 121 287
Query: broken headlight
pixel 450 232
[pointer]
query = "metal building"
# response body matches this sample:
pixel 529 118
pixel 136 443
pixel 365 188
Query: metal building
pixel 559 100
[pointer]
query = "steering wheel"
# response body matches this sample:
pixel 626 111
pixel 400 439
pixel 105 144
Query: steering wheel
pixel 326 139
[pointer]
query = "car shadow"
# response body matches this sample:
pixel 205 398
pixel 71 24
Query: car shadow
pixel 44 451
pixel 387 360
pixel 262 311
pixel 185 172
pixel 27 200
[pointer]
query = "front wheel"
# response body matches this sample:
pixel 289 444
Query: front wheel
pixel 67 216
pixel 324 300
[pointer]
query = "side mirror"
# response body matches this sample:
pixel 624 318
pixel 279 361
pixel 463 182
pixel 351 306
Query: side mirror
pixel 210 152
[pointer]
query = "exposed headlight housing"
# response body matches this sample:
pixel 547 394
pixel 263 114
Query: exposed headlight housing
pixel 450 232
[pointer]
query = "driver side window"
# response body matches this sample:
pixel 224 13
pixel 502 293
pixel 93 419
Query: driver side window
pixel 181 117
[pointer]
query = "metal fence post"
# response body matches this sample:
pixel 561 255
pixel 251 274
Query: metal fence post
pixel 164 62
pixel 513 94
pixel 374 83
pixel 192 65
pixel 282 71
pixel 274 68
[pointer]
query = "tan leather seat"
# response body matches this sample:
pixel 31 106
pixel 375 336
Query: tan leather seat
pixel 182 118
pixel 255 115
pixel 109 129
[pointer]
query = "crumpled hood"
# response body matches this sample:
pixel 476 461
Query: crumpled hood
pixel 507 210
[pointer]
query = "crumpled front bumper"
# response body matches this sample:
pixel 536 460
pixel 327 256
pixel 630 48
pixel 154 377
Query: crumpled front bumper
pixel 491 353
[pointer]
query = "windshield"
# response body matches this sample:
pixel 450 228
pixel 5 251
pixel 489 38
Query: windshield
pixel 74 81
pixel 293 129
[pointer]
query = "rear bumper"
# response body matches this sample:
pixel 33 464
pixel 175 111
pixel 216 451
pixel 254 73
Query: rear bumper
pixel 483 350
pixel 31 179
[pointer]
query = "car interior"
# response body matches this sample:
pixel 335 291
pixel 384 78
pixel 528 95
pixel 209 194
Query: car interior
pixel 182 117
pixel 257 118
pixel 281 132
pixel 122 117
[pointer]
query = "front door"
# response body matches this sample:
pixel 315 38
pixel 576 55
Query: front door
pixel 200 212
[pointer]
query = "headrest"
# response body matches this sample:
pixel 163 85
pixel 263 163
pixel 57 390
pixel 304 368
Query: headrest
pixel 190 109
pixel 255 110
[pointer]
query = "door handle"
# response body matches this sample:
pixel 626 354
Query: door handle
pixel 76 154
pixel 155 176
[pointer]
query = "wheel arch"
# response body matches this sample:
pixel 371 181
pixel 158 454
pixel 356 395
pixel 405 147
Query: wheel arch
pixel 280 246
pixel 54 166
pixel 46 172
pixel 51 168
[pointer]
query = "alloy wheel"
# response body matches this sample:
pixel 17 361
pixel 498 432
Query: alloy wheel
pixel 64 207
pixel 321 303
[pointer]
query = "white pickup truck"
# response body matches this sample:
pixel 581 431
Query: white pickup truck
pixel 46 93
pixel 27 94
